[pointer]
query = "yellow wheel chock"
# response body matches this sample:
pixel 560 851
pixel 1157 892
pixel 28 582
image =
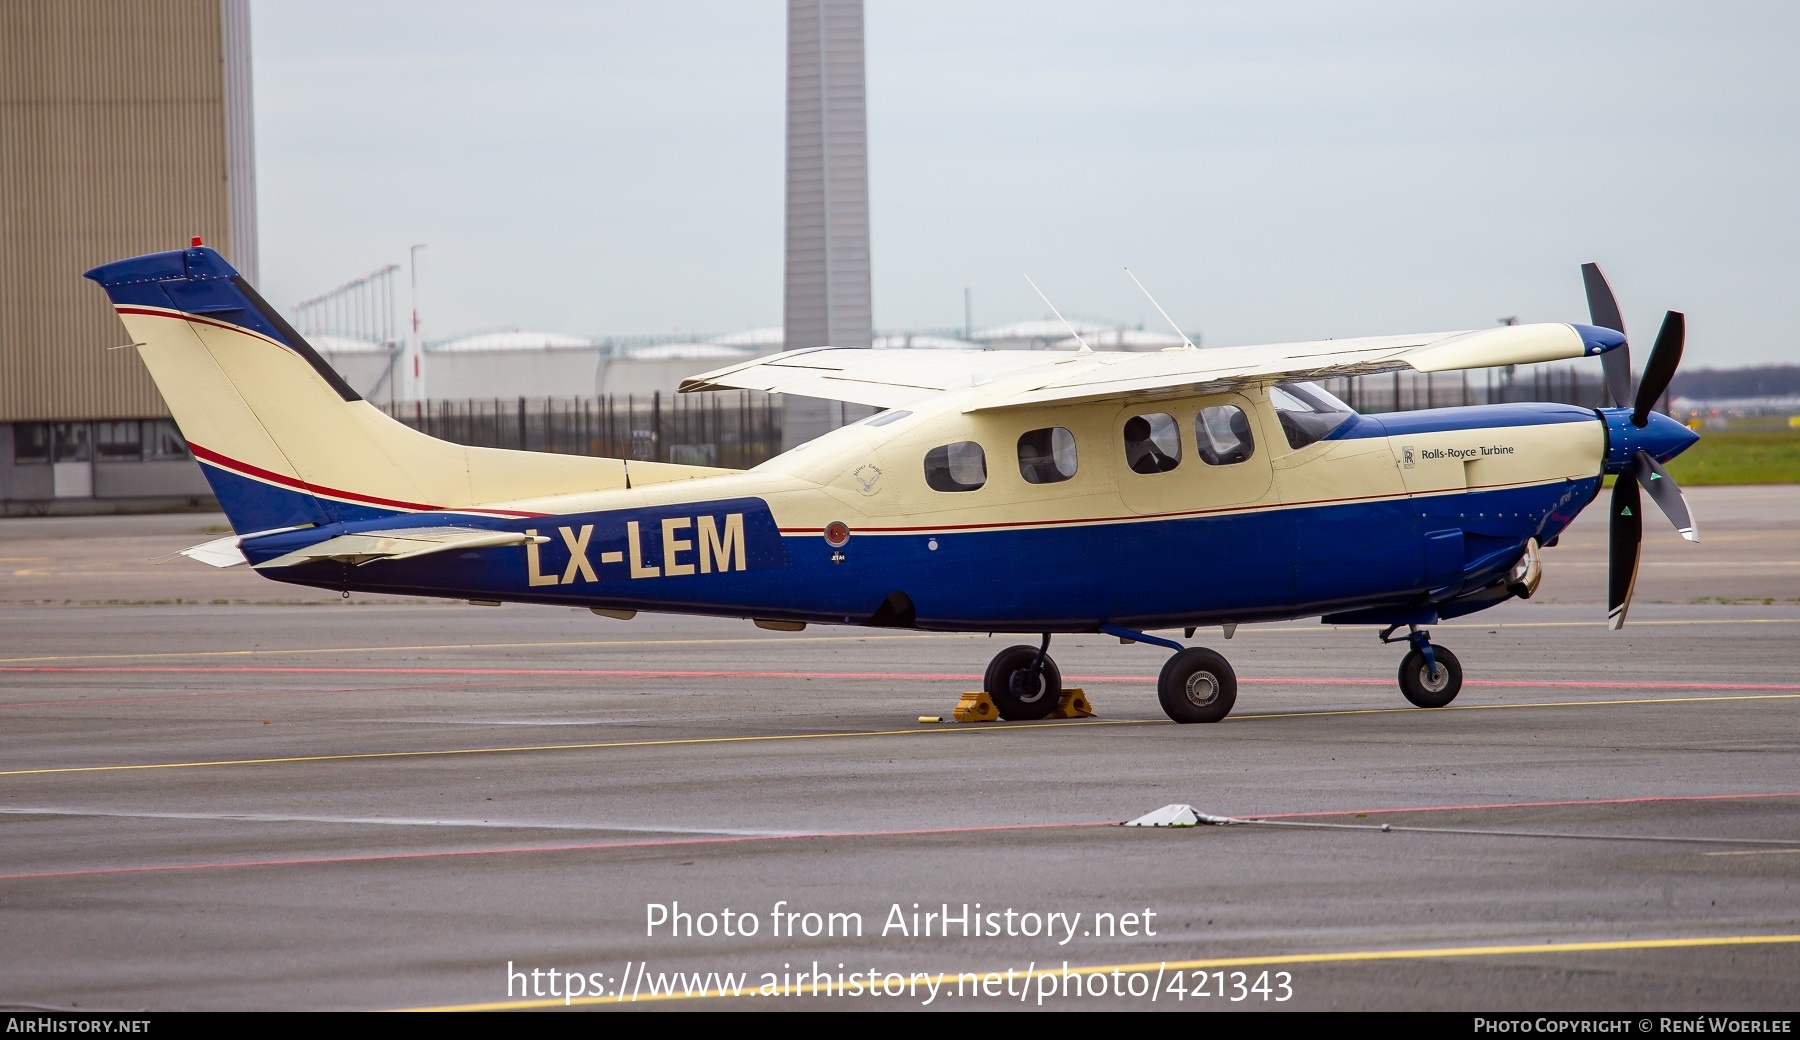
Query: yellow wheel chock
pixel 977 706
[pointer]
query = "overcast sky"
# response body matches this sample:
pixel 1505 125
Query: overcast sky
pixel 1271 171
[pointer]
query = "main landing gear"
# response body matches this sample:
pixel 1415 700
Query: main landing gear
pixel 1196 685
pixel 1430 676
pixel 1024 682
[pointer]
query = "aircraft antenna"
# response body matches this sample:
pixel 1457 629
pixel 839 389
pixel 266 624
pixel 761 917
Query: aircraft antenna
pixel 1085 349
pixel 1186 344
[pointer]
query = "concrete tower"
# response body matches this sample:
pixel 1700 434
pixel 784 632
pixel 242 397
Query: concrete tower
pixel 827 284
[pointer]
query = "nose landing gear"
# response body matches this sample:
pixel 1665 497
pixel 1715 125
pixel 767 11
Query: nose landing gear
pixel 1430 676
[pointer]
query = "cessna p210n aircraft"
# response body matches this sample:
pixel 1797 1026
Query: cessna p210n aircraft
pixel 998 491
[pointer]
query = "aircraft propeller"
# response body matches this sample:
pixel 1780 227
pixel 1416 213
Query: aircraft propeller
pixel 1639 469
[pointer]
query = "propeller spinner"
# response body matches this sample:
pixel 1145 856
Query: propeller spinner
pixel 1639 441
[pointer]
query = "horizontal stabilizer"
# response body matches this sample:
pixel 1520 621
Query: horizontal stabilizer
pixel 399 544
pixel 220 552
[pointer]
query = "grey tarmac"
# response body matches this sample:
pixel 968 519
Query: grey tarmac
pixel 282 800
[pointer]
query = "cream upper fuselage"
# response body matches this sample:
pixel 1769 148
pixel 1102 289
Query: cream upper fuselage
pixel 1344 522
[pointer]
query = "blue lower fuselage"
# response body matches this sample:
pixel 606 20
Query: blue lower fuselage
pixel 1399 554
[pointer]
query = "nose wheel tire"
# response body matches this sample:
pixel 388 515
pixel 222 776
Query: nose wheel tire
pixel 1431 688
pixel 1016 692
pixel 1197 685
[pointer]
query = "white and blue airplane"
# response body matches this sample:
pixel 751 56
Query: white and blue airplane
pixel 997 491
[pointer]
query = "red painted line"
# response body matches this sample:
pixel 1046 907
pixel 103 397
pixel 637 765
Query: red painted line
pixel 301 861
pixel 521 849
pixel 727 673
pixel 626 673
pixel 1524 805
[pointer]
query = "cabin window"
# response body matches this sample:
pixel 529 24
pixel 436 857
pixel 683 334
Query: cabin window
pixel 1224 435
pixel 956 467
pixel 1307 411
pixel 1047 456
pixel 1152 443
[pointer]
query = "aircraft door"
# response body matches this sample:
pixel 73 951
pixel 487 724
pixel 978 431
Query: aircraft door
pixel 1184 457
pixel 1189 469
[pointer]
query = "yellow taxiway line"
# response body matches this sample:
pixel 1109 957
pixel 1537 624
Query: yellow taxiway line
pixel 916 731
pixel 1206 964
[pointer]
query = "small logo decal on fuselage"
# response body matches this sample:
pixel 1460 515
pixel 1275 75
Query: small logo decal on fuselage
pixel 867 477
pixel 1462 454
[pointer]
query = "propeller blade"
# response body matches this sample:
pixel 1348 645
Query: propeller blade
pixel 1623 536
pixel 1603 310
pixel 1665 493
pixel 1660 369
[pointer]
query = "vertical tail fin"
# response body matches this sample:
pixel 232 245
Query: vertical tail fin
pixel 283 440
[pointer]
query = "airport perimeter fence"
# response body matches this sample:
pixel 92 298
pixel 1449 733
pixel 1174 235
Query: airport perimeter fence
pixel 735 431
pixel 1410 391
pixel 740 430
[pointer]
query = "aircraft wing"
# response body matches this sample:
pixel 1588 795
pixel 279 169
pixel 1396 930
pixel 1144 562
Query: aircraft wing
pixel 889 378
pixel 883 378
pixel 399 544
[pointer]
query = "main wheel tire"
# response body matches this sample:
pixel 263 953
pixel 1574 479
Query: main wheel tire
pixel 1197 685
pixel 1019 699
pixel 1431 689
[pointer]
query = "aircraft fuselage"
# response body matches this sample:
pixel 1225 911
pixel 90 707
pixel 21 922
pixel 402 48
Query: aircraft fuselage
pixel 1396 513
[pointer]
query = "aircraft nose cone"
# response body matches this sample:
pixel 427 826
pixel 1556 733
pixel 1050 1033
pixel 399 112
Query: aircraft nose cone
pixel 1664 438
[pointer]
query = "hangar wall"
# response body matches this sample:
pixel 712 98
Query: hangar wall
pixel 124 129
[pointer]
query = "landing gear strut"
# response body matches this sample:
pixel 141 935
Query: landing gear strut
pixel 1430 676
pixel 1024 682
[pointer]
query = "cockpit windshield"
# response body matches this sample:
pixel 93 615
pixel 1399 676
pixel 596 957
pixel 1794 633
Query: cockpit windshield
pixel 1308 412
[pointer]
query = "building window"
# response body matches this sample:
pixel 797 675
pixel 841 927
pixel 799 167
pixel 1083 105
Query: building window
pixel 119 441
pixel 70 442
pixel 1152 443
pixel 162 440
pixel 1224 435
pixel 956 467
pixel 31 442
pixel 1047 456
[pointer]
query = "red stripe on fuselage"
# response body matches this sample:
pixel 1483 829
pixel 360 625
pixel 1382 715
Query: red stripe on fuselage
pixel 295 484
pixel 185 316
pixel 1253 507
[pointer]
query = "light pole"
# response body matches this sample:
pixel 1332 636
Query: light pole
pixel 413 374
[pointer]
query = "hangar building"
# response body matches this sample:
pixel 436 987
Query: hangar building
pixel 124 127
